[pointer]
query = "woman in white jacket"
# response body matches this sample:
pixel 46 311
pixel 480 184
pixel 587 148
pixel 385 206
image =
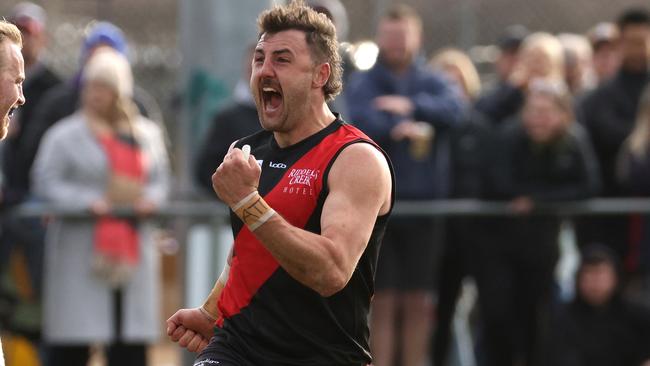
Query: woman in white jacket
pixel 102 275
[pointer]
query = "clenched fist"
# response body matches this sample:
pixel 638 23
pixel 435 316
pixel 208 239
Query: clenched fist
pixel 236 177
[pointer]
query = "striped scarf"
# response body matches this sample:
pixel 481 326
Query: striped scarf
pixel 117 245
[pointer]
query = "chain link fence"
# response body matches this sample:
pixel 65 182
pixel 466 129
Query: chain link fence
pixel 151 27
pixel 472 25
pixel 465 23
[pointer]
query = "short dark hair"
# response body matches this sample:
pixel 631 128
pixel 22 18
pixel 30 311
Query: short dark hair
pixel 403 12
pixel 633 16
pixel 594 254
pixel 320 35
pixel 512 38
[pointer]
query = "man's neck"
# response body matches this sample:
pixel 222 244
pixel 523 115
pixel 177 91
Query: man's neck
pixel 400 69
pixel 318 118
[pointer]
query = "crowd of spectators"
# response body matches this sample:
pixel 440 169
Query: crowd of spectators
pixel 567 118
pixel 564 121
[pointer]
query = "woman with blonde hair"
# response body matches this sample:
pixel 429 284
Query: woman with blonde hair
pixel 469 143
pixel 540 157
pixel 469 137
pixel 460 68
pixel 541 56
pixel 101 275
pixel 578 66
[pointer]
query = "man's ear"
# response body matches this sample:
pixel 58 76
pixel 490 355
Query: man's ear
pixel 321 75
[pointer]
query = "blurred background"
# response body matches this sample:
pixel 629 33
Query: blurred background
pixel 188 60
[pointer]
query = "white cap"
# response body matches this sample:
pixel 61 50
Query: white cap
pixel 111 68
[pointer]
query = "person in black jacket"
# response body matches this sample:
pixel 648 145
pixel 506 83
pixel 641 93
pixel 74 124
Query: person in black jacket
pixel 31 20
pixel 469 143
pixel 633 171
pixel 600 327
pixel 410 112
pixel 609 115
pixel 17 232
pixel 238 119
pixel 544 157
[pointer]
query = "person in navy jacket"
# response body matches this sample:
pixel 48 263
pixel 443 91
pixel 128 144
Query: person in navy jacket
pixel 408 110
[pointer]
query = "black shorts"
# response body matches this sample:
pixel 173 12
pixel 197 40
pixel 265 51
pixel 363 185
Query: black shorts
pixel 408 255
pixel 217 353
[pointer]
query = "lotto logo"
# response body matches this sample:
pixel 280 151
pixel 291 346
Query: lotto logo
pixel 277 165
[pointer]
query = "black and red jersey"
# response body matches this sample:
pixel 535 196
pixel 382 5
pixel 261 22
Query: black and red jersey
pixel 267 316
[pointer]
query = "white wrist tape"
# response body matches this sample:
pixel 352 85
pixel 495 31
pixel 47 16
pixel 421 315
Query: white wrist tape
pixel 264 218
pixel 223 278
pixel 253 211
pixel 243 201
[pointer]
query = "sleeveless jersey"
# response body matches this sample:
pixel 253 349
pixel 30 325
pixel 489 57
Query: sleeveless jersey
pixel 269 317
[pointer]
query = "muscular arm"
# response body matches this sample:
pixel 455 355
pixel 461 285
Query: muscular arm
pixel 360 188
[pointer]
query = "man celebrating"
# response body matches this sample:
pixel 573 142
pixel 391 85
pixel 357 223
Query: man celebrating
pixel 12 74
pixel 309 207
pixel 411 113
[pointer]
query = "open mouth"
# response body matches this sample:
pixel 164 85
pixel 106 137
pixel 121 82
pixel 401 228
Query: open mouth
pixel 271 98
pixel 11 112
